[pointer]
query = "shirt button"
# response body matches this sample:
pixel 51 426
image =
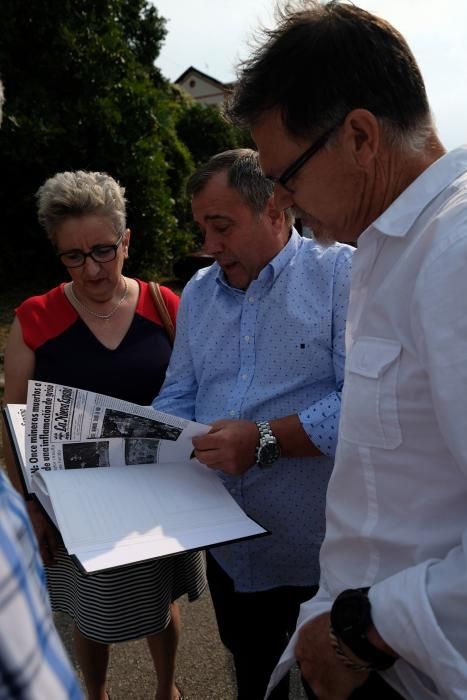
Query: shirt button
pixel 232 413
pixel 247 338
pixel 251 299
pixel 244 376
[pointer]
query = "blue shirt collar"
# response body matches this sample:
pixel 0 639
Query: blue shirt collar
pixel 272 270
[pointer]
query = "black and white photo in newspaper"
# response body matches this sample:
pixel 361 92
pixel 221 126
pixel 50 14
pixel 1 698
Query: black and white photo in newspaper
pixel 68 428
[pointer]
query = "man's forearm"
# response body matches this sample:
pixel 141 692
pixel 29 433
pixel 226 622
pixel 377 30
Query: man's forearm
pixel 292 438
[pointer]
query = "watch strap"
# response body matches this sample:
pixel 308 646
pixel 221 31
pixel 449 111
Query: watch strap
pixel 340 653
pixel 268 444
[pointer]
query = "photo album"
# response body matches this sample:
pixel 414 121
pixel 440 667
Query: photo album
pixel 119 480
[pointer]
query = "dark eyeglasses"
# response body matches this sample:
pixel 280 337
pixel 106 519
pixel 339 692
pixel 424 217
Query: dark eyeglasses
pixel 301 160
pixel 98 253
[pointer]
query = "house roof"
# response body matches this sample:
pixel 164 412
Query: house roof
pixel 205 76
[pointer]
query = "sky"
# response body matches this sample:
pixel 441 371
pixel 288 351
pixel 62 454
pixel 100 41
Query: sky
pixel 213 36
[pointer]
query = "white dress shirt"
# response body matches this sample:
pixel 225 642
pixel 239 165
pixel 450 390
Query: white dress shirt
pixel 396 513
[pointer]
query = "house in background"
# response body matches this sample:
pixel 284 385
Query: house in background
pixel 203 87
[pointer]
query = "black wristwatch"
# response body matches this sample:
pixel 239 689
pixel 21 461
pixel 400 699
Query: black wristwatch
pixel 350 621
pixel 267 450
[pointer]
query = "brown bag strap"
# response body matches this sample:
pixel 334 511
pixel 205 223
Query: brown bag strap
pixel 162 310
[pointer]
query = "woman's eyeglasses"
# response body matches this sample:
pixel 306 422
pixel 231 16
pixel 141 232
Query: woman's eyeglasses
pixel 98 253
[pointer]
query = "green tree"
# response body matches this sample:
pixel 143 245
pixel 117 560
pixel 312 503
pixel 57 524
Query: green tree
pixel 205 131
pixel 83 92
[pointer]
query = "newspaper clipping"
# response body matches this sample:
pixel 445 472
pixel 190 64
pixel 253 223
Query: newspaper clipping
pixel 68 428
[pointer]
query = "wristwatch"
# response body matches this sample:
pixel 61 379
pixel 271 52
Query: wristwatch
pixel 267 450
pixel 350 621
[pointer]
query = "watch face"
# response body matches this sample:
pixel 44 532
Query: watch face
pixel 352 613
pixel 350 621
pixel 268 449
pixel 268 453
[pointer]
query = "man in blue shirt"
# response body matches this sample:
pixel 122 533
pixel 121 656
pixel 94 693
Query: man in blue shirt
pixel 259 355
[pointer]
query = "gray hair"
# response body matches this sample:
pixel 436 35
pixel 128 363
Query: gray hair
pixel 80 193
pixel 413 141
pixel 244 174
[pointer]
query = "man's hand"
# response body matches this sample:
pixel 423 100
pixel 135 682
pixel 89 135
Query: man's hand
pixel 324 672
pixel 47 535
pixel 229 446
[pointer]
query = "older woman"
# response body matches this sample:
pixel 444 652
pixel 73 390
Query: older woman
pixel 101 332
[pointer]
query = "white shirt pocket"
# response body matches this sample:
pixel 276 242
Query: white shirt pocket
pixel 369 415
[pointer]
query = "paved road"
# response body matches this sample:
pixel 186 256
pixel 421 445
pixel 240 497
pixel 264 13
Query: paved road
pixel 204 666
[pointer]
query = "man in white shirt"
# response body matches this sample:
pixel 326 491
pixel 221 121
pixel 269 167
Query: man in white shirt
pixel 338 109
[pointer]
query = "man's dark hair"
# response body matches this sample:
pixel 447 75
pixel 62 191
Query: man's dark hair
pixel 323 61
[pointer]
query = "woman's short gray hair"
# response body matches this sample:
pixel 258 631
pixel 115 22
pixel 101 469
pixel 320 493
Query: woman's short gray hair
pixel 244 174
pixel 80 193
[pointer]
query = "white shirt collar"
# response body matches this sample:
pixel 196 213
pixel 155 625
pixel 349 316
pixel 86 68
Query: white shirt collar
pixel 400 216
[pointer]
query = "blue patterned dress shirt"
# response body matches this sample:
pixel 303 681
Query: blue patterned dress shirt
pixel 33 662
pixel 274 350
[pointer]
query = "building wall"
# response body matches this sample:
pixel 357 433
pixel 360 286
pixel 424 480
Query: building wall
pixel 202 90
